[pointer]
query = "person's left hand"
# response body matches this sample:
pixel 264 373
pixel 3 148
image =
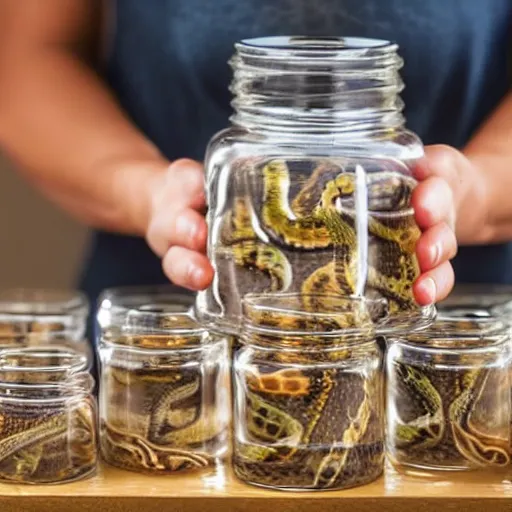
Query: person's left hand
pixel 448 199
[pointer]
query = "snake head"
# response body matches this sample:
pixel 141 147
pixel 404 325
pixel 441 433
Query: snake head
pixel 339 189
pixel 345 183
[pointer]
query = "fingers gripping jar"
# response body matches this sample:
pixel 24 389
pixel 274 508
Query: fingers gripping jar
pixel 164 395
pixel 309 190
pixel 448 396
pixel 308 401
pixel 48 420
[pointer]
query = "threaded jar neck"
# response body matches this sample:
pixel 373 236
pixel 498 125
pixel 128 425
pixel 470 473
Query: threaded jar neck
pixel 294 321
pixel 317 85
pixel 43 374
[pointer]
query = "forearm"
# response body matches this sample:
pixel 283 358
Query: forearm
pixel 490 151
pixel 62 127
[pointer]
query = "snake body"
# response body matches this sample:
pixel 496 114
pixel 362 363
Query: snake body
pixel 437 419
pixel 301 236
pixel 41 445
pixel 161 420
pixel 302 420
pixel 308 440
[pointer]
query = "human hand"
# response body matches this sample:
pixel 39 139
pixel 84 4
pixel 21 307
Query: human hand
pixel 177 230
pixel 449 199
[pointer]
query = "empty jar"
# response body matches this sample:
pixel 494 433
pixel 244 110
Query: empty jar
pixel 164 394
pixel 309 189
pixel 47 417
pixel 308 401
pixel 448 396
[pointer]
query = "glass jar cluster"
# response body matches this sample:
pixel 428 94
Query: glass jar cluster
pixel 47 409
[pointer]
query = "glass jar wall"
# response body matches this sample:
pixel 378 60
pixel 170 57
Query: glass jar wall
pixel 164 394
pixel 48 417
pixel 31 317
pixel 448 396
pixel 308 401
pixel 28 314
pixel 309 189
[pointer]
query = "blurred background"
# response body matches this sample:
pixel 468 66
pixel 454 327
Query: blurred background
pixel 41 247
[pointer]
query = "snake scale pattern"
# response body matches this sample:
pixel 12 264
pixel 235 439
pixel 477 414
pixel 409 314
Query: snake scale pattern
pixel 292 231
pixel 42 444
pixel 161 418
pixel 448 418
pixel 305 421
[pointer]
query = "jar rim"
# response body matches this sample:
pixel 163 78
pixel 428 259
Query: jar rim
pixel 72 380
pixel 464 325
pixel 71 361
pixel 148 310
pixel 473 345
pixel 315 45
pixel 27 303
pixel 153 350
pixel 74 387
pixel 262 311
pixel 62 335
pixel 459 333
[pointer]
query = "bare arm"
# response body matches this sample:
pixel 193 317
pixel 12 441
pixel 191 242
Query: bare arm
pixel 64 130
pixel 480 181
pixel 60 123
pixel 491 152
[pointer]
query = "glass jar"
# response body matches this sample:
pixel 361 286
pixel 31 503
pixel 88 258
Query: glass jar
pixel 48 417
pixel 448 396
pixel 26 313
pixel 309 189
pixel 165 393
pixel 477 296
pixel 308 401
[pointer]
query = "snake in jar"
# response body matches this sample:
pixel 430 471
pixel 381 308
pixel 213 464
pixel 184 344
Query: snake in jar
pixel 442 416
pixel 296 430
pixel 316 220
pixel 46 447
pixel 158 419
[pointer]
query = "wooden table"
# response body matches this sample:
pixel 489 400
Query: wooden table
pixel 216 490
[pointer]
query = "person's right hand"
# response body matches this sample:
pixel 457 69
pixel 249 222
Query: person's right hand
pixel 177 230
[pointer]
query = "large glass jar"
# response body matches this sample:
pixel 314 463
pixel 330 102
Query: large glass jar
pixel 47 417
pixel 448 396
pixel 165 393
pixel 308 401
pixel 317 142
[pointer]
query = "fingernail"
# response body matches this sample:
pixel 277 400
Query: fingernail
pixel 428 287
pixel 435 254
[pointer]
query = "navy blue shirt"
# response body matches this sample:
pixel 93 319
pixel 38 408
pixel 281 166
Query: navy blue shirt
pixel 168 67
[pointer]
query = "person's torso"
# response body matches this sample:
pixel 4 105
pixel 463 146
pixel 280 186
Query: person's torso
pixel 168 68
